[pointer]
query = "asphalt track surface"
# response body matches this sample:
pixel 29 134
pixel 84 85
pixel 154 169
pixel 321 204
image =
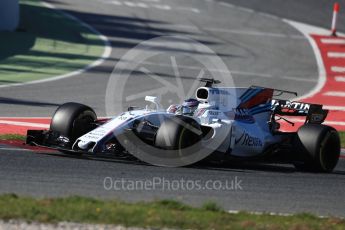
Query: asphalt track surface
pixel 261 188
pixel 285 58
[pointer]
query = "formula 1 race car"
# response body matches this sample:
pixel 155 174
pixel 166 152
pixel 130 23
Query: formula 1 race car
pixel 241 123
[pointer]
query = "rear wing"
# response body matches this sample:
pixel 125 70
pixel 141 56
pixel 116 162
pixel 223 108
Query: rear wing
pixel 314 113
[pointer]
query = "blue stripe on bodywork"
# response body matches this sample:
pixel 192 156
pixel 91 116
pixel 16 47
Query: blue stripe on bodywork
pixel 251 93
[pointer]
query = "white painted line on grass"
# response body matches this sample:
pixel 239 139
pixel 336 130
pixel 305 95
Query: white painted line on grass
pixel 338 69
pixel 332 41
pixel 26 124
pixel 106 53
pixel 340 78
pixel 335 93
pixel 335 55
pixel 267 213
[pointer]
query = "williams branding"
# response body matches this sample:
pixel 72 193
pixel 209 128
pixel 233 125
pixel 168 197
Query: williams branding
pixel 299 106
pixel 243 115
pixel 247 140
pixel 216 91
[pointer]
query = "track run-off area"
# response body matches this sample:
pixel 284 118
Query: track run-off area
pixel 329 91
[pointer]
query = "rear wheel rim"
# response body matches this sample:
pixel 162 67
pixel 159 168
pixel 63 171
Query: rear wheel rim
pixel 329 153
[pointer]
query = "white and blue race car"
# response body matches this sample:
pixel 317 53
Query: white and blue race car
pixel 220 123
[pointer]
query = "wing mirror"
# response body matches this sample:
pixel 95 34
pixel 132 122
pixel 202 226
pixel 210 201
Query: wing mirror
pixel 154 100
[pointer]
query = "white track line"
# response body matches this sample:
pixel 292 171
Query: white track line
pixel 241 73
pixel 334 107
pixel 340 123
pixel 117 3
pixel 245 9
pixel 268 15
pixel 194 10
pixel 332 41
pixel 142 5
pixel 26 124
pixel 335 55
pixel 106 53
pixel 130 4
pixel 340 78
pixel 182 26
pixel 162 7
pixel 338 69
pixel 227 4
pixel 241 32
pixel 306 30
pixel 256 33
pixel 248 10
pixel 291 78
pixel 335 93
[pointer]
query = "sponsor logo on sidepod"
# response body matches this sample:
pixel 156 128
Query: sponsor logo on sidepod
pixel 247 140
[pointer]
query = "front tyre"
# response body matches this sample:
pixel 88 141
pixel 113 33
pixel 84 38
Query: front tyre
pixel 319 148
pixel 73 120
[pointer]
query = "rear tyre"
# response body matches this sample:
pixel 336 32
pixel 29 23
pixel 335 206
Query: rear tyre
pixel 73 120
pixel 318 147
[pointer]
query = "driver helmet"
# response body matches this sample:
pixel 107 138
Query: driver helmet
pixel 189 106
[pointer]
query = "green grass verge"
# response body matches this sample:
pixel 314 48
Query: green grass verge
pixel 165 213
pixel 46 44
pixel 342 138
pixel 12 137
